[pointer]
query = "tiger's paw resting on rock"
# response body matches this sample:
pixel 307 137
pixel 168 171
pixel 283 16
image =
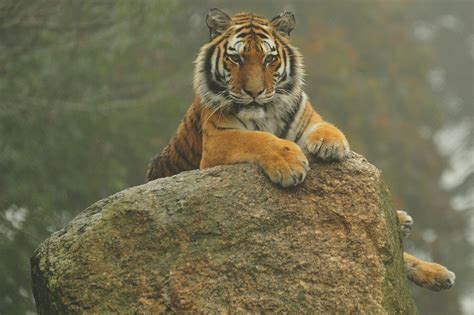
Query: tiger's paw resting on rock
pixel 286 165
pixel 327 143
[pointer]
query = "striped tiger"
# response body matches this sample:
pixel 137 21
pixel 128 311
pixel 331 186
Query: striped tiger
pixel 250 106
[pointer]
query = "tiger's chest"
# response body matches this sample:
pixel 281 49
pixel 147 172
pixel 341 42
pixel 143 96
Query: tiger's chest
pixel 271 123
pixel 281 121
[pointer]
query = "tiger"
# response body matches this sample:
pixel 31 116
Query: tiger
pixel 249 106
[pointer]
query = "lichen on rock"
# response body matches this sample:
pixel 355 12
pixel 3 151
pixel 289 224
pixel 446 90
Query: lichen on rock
pixel 227 240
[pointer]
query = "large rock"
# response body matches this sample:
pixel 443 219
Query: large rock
pixel 227 240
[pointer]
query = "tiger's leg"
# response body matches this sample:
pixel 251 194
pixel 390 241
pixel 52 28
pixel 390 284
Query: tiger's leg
pixel 424 274
pixel 282 160
pixel 428 275
pixel 320 138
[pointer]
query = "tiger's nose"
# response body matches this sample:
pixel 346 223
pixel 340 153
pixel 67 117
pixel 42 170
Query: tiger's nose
pixel 254 93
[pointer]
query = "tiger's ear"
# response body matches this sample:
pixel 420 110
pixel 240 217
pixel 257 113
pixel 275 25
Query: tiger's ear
pixel 217 21
pixel 284 23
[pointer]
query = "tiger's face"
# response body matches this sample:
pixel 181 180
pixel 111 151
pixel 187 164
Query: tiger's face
pixel 248 64
pixel 250 69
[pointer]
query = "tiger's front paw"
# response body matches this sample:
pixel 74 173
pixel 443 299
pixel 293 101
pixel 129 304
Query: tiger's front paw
pixel 285 164
pixel 328 143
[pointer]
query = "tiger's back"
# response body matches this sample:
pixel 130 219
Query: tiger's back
pixel 184 151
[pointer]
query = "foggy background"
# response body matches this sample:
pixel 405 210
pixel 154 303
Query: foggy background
pixel 91 90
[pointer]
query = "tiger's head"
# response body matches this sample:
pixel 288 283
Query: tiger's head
pixel 248 65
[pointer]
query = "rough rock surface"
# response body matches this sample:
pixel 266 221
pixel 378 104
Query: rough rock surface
pixel 226 240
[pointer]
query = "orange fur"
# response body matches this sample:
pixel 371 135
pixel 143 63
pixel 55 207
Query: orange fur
pixel 205 139
pixel 282 160
pixel 184 151
pixel 428 275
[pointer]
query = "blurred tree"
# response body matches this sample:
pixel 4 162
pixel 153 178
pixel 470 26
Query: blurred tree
pixel 82 96
pixel 90 90
pixel 447 29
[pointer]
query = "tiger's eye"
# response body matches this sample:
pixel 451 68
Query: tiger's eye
pixel 235 58
pixel 269 59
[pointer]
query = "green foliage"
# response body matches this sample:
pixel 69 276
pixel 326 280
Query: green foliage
pixel 90 90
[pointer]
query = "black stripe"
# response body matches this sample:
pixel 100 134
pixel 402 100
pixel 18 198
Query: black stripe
pixel 292 60
pixel 257 27
pixel 289 119
pixel 284 61
pixel 216 63
pixel 212 123
pixel 255 125
pixel 288 54
pixel 191 148
pixel 197 124
pixel 240 121
pixel 213 85
pixel 287 88
pixel 288 51
pixel 187 143
pixel 262 35
pixel 219 76
pixel 303 129
pixel 182 154
pixel 241 28
pixel 226 67
pixel 167 164
pixel 243 34
pixel 221 128
pixel 187 123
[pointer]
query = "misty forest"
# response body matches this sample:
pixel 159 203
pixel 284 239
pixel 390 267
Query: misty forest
pixel 91 90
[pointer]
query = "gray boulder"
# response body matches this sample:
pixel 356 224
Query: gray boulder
pixel 226 240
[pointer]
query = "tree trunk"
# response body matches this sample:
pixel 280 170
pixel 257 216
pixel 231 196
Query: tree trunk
pixel 227 240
